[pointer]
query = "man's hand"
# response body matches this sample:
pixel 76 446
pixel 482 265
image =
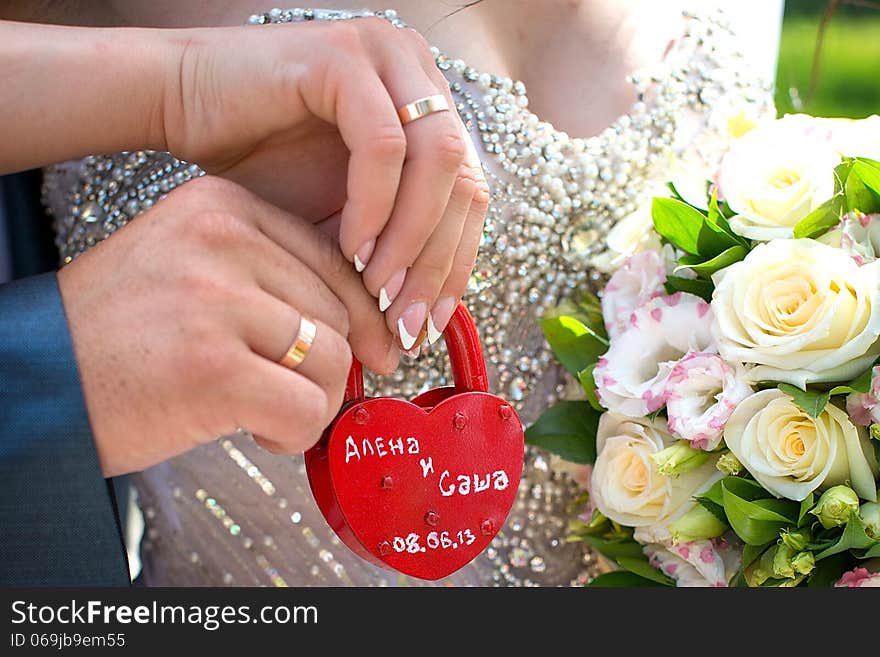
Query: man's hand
pixel 179 319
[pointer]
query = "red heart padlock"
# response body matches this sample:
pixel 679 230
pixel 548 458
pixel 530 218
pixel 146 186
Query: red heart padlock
pixel 421 486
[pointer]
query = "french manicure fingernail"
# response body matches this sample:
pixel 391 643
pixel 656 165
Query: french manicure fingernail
pixel 410 324
pixel 362 255
pixel 414 352
pixel 391 289
pixel 439 317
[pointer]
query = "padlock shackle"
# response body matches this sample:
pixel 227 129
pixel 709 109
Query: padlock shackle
pixel 465 356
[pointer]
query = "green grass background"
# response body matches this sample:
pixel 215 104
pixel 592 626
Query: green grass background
pixel 849 69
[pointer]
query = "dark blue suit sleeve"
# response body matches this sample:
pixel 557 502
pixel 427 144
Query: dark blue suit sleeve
pixel 58 522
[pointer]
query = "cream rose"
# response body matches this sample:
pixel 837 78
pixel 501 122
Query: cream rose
pixel 626 485
pixel 792 454
pixel 856 137
pixel 631 235
pixel 774 176
pixel 800 310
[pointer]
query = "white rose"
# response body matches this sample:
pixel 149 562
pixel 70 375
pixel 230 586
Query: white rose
pixel 631 235
pixel 856 138
pixel 626 484
pixel 773 177
pixel 792 454
pixel 631 376
pixel 802 311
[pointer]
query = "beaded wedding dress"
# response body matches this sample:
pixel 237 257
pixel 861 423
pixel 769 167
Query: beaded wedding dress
pixel 229 513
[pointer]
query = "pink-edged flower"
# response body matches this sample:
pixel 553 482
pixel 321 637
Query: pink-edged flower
pixel 701 392
pixel 859 577
pixel 858 235
pixel 864 408
pixel 631 376
pixel 706 563
pixel 639 280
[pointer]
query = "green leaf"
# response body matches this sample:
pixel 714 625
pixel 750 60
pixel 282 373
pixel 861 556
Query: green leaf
pixel 828 571
pixel 717 218
pixel 757 522
pixel 568 429
pixel 591 314
pixel 841 174
pixel 621 579
pixel 644 569
pixel 585 376
pixel 738 580
pixel 614 549
pixel 806 505
pixel 678 222
pixel 872 552
pixel 744 488
pixel 722 260
pixel 575 344
pixel 751 553
pixel 858 195
pixel 688 228
pixel 862 383
pixel 671 187
pixel 716 510
pixel 697 286
pixel 853 537
pixel 809 401
pixel 822 219
pixel 869 177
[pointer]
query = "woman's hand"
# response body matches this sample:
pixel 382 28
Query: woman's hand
pixel 305 115
pixel 180 318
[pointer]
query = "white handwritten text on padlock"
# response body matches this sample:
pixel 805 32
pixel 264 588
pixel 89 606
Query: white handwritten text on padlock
pixel 380 447
pixel 497 480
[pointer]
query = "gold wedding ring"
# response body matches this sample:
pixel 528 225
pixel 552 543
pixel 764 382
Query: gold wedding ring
pixel 422 107
pixel 301 344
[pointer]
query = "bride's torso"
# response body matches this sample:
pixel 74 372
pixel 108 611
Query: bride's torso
pixel 229 513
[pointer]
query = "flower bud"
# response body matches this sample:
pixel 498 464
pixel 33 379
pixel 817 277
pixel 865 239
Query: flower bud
pixel 791 564
pixel 869 513
pixel 729 464
pixel 761 569
pixel 836 506
pixel 797 540
pixel 803 563
pixel 698 523
pixel 678 459
pixel 875 431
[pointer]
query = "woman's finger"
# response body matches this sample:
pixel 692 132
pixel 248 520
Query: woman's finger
pixel 408 315
pixel 456 283
pixel 348 92
pixel 435 151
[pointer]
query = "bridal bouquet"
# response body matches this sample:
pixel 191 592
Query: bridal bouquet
pixel 731 429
